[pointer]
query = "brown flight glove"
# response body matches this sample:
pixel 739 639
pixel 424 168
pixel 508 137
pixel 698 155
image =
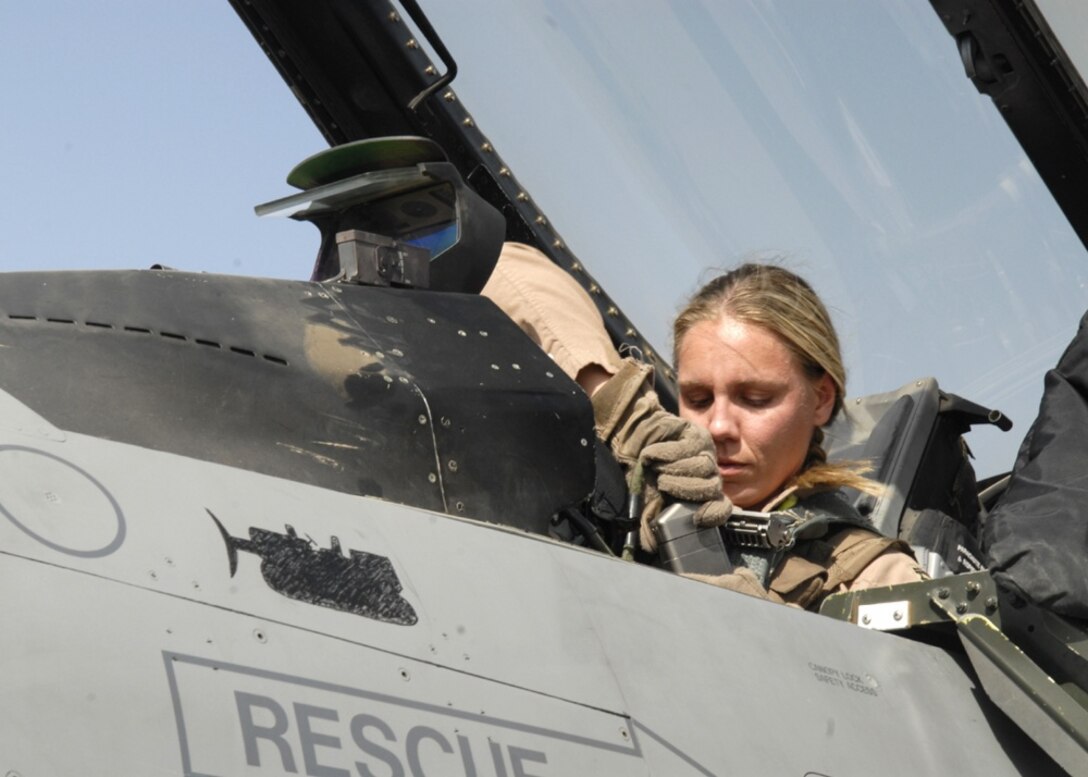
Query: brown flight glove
pixel 677 458
pixel 742 580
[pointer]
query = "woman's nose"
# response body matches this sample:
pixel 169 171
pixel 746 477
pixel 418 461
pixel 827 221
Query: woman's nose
pixel 723 421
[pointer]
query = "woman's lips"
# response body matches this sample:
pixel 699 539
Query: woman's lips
pixel 730 468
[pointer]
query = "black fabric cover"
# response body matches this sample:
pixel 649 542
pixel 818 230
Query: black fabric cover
pixel 944 535
pixel 1036 539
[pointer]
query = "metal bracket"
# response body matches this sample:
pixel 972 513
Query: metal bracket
pixel 1024 692
pixel 919 604
pixel 886 616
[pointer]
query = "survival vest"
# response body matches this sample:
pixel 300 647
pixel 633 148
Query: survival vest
pixel 833 544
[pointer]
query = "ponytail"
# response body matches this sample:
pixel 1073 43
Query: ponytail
pixel 817 474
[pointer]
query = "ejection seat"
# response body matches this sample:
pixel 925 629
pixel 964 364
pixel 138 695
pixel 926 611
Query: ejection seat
pixel 912 439
pixel 1028 647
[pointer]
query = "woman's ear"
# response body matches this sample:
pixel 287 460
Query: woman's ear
pixel 824 388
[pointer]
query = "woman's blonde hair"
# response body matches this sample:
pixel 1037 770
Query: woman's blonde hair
pixel 784 304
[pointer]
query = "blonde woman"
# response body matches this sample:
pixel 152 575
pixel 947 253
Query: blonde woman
pixel 760 373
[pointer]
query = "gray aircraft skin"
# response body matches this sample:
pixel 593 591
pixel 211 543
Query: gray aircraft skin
pixel 302 527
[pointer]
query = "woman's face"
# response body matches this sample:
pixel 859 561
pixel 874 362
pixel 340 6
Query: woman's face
pixel 742 383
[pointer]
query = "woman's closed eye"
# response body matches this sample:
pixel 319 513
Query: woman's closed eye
pixel 697 400
pixel 757 400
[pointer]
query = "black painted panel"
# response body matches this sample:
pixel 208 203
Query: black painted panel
pixel 429 399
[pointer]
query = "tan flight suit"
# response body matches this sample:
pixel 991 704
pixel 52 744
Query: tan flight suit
pixel 552 309
pixel 560 317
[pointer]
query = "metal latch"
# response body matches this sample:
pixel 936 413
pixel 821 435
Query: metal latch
pixel 748 529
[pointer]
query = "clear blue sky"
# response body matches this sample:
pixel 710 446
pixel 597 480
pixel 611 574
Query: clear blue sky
pixel 139 132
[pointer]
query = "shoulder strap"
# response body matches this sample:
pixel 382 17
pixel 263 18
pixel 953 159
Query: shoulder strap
pixel 831 508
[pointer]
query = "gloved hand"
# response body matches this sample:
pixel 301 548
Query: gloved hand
pixel 742 580
pixel 676 458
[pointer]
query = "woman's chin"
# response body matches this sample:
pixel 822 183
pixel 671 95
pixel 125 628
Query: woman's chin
pixel 743 497
pixel 752 493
